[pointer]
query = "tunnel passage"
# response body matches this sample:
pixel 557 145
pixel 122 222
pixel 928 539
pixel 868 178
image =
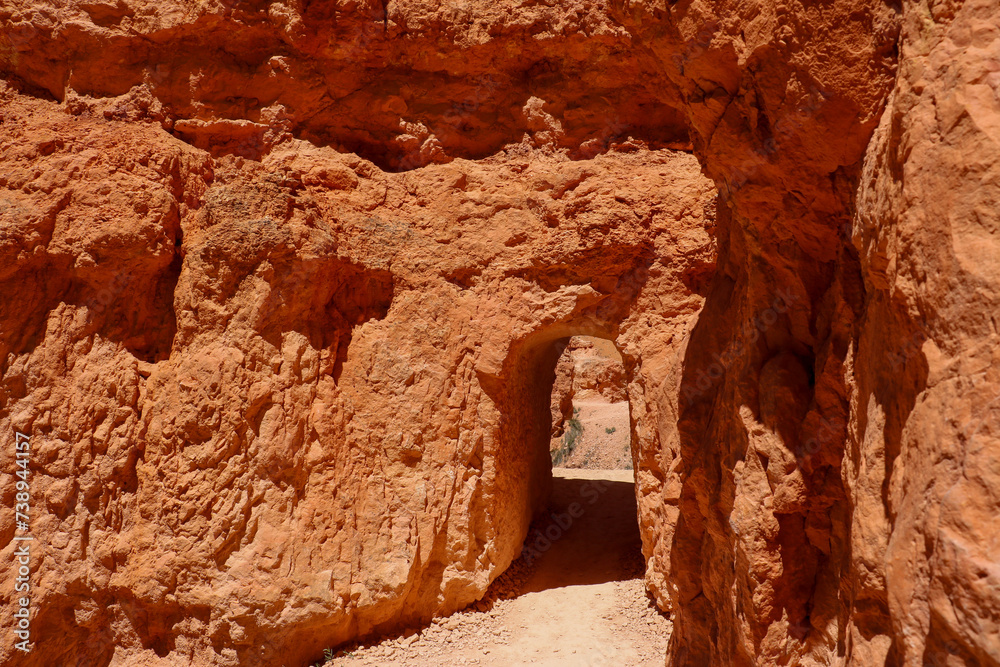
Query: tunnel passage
pixel 784 132
pixel 581 561
pixel 524 464
pixel 592 503
pixel 387 464
pixel 551 430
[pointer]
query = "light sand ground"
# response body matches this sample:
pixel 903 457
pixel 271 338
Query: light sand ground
pixel 596 448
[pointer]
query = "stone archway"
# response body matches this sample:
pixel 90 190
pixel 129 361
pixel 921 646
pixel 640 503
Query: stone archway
pixel 524 465
pixel 652 358
pixel 461 475
pixel 266 470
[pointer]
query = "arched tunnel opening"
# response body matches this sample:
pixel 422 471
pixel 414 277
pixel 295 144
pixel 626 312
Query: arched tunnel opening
pixel 587 531
pixel 570 459
pixel 782 217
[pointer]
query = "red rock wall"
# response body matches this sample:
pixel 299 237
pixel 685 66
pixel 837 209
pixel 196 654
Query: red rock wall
pixel 782 101
pixel 926 423
pixel 279 404
pixel 280 397
pixel 835 454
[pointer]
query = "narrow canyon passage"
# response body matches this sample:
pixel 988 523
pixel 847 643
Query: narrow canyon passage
pixel 287 288
pixel 575 598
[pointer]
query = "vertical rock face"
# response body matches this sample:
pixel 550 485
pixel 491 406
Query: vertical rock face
pixel 839 467
pixel 279 397
pixel 782 102
pixel 278 404
pixel 927 424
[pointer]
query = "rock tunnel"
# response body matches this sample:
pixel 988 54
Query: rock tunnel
pixel 523 459
pixel 286 282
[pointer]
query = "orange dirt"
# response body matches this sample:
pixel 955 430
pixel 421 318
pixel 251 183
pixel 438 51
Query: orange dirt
pixel 596 448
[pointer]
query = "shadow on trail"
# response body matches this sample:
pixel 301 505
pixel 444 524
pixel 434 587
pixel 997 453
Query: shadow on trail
pixel 559 602
pixel 588 535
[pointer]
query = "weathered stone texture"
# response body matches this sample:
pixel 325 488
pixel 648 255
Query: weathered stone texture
pixel 284 287
pixel 279 404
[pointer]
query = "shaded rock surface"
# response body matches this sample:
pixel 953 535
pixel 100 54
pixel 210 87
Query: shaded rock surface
pixel 580 599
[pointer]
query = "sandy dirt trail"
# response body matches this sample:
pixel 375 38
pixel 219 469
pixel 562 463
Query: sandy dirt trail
pixel 576 599
pixel 605 441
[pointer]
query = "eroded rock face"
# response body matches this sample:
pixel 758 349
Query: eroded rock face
pixel 404 85
pixel 278 404
pixel 280 397
pixel 831 438
pixel 926 424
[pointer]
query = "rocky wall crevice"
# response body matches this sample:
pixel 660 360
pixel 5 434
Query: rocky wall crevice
pixel 447 87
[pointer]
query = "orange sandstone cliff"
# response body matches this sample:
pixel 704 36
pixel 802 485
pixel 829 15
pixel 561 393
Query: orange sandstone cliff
pixel 284 285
